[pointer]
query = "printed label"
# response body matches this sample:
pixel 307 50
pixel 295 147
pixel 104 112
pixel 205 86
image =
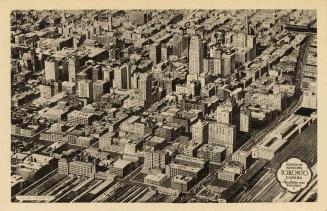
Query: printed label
pixel 294 175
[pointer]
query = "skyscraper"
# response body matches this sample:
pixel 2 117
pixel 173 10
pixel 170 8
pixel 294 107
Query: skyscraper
pixel 57 87
pixel 155 160
pixel 145 87
pixel 239 40
pixel 73 68
pixel 118 82
pixel 155 53
pixel 110 22
pixel 122 77
pixel 99 88
pixel 65 69
pixel 166 51
pixel 229 39
pixel 128 69
pixel 177 45
pixel 96 73
pixel 34 60
pixel 245 121
pixel 228 112
pixel 215 55
pixel 51 70
pixel 85 89
pixel 200 132
pixel 252 44
pixel 196 56
pixel 224 115
pixel 221 134
pixel 139 17
pixel 185 45
pixel 180 44
pixel 246 24
pixel 228 65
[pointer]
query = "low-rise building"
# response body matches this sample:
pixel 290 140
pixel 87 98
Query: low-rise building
pixel 80 117
pixel 156 180
pixel 17 183
pixel 227 176
pixel 121 167
pixel 182 183
pixel 211 153
pixel 179 169
pixel 35 166
pixel 76 168
pixel 243 157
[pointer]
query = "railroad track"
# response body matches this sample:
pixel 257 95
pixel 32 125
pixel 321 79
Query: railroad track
pixel 35 184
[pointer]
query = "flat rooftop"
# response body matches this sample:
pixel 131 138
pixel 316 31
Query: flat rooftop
pixel 121 163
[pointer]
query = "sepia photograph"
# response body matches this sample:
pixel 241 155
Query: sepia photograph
pixel 170 106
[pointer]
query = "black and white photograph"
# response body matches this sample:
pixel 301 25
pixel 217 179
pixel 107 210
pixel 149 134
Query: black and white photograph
pixel 163 105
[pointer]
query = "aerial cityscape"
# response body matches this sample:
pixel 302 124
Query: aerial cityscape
pixel 170 106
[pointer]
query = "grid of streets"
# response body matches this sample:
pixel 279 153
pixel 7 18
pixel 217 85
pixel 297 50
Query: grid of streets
pixel 161 105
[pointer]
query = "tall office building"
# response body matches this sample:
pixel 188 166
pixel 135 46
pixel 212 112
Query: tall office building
pixel 224 114
pixel 180 45
pixel 217 62
pixel 128 69
pixel 51 70
pixel 221 134
pixel 99 88
pixel 229 113
pixel 246 24
pixel 110 22
pixel 107 74
pixel 208 65
pixel 240 40
pixel 252 44
pixel 105 22
pixel 228 38
pixel 122 77
pixel 96 73
pixel 196 56
pixel 166 51
pixel 185 45
pixel 155 53
pixel 200 132
pixel 205 49
pixel 145 88
pixel 57 87
pixel 65 70
pixel 217 66
pixel 155 161
pixel 205 65
pixel 85 89
pixel 228 65
pixel 177 45
pixel 245 121
pixel 73 68
pixel 139 17
pixel 34 60
pixel 118 82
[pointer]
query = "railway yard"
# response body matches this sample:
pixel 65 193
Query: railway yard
pixel 69 188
